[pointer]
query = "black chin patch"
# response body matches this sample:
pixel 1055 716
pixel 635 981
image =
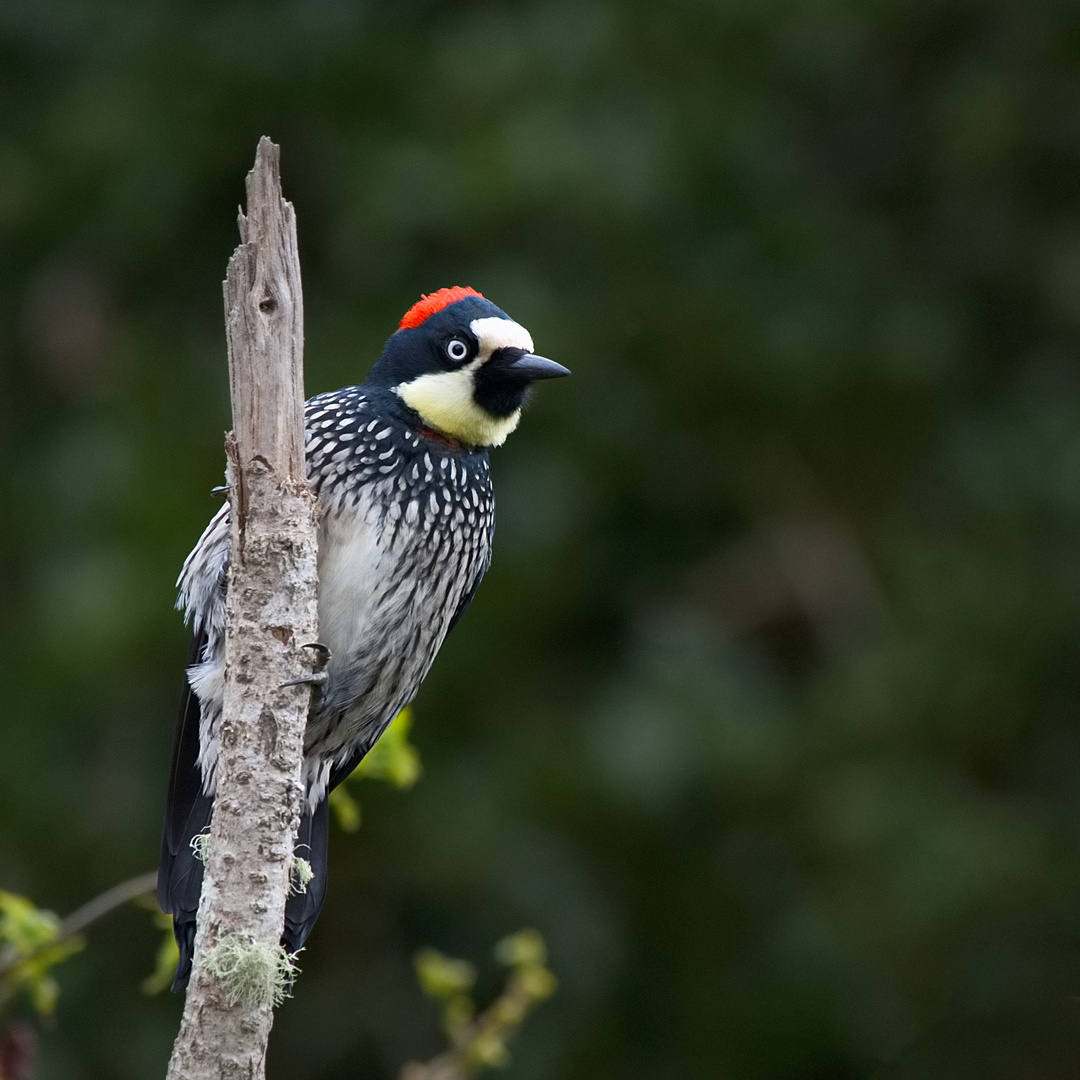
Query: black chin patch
pixel 497 387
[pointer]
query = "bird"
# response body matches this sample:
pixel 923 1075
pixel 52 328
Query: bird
pixel 400 466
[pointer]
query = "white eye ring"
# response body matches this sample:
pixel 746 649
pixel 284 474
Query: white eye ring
pixel 457 350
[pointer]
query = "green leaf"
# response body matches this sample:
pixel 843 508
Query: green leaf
pixel 168 955
pixel 526 948
pixel 32 938
pixel 393 757
pixel 24 926
pixel 442 977
pixel 345 808
pixel 489 1050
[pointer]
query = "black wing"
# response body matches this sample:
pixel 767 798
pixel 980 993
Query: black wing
pixel 187 813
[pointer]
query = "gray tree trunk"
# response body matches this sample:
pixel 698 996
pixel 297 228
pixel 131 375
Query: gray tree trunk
pixel 239 968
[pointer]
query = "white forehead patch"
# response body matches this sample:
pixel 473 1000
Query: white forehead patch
pixel 494 333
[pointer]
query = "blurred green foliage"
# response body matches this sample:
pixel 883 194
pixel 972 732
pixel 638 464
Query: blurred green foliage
pixel 478 1041
pixel 766 714
pixel 165 959
pixel 393 759
pixel 31 945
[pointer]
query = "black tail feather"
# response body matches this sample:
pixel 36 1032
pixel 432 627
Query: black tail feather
pixel 187 813
pixel 302 908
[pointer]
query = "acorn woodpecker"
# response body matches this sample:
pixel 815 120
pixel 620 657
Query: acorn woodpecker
pixel 406 512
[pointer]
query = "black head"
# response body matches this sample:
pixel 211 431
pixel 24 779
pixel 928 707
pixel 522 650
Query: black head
pixel 463 365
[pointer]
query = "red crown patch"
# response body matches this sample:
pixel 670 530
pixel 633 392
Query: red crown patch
pixel 428 305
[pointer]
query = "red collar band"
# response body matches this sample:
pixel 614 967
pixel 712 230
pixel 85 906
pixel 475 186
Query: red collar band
pixel 439 437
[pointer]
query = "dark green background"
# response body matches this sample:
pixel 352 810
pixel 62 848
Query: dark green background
pixel 766 715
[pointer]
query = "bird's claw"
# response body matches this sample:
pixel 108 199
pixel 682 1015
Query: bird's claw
pixel 322 654
pixel 318 676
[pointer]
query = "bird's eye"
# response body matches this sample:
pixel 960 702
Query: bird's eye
pixel 457 350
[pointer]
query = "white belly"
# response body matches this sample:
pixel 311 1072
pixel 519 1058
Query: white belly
pixel 353 571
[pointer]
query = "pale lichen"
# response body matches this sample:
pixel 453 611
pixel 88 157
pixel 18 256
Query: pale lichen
pixel 250 973
pixel 199 844
pixel 302 875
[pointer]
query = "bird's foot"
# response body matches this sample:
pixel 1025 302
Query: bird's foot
pixel 318 677
pixel 322 653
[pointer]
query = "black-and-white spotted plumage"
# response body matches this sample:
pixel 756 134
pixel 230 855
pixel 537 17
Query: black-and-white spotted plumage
pixel 406 515
pixel 405 527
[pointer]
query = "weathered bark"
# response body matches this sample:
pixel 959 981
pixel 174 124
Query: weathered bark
pixel 271 617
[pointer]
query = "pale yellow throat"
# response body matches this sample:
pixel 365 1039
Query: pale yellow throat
pixel 444 399
pixel 445 402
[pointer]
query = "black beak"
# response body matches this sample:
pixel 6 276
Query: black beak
pixel 502 384
pixel 537 367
